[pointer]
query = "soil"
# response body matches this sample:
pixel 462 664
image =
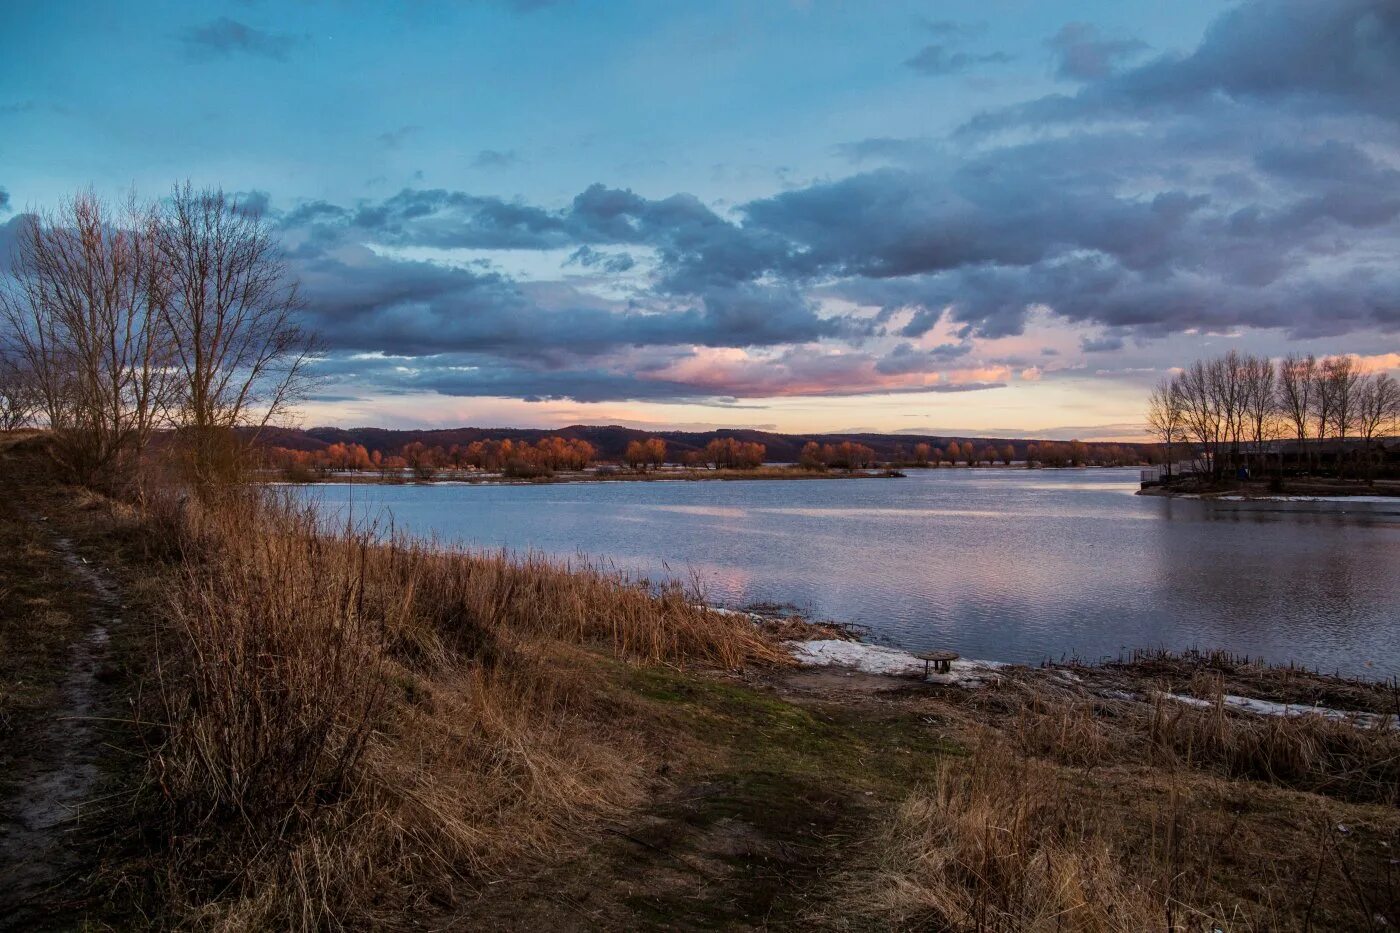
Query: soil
pixel 57 768
pixel 63 747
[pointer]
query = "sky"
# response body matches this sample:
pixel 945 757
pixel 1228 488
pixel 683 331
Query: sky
pixel 1006 217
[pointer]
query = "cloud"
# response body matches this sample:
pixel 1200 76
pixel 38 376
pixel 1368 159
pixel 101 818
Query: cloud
pixel 495 158
pixel 953 28
pixel 590 258
pixel 939 59
pixel 393 139
pixel 1105 344
pixel 1082 54
pixel 258 203
pixel 886 148
pixel 1339 56
pixel 10 232
pixel 906 358
pixel 223 37
pixel 4 200
pixel 1192 193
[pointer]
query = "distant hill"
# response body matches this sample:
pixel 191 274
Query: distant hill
pixel 611 440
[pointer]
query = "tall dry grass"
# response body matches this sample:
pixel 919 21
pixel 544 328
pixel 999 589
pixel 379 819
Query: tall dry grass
pixel 357 725
pixel 997 844
pixel 1351 760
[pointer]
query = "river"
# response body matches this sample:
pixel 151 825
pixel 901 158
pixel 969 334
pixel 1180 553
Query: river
pixel 1002 564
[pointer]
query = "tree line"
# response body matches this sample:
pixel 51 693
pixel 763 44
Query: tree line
pixel 727 453
pixel 173 314
pixel 511 457
pixel 1229 413
pixel 846 455
pixel 1072 453
pixel 508 456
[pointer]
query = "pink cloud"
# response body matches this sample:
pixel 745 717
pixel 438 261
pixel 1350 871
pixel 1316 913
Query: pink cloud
pixel 807 371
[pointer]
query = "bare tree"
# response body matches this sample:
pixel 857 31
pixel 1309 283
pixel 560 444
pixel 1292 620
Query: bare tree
pixel 230 307
pixel 1296 384
pixel 1259 403
pixel 1324 402
pixel 83 313
pixel 1227 383
pixel 1165 417
pixel 1342 378
pixel 19 402
pixel 1338 396
pixel 1202 395
pixel 1377 410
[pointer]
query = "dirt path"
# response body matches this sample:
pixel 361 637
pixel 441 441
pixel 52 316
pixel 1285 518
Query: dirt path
pixel 56 775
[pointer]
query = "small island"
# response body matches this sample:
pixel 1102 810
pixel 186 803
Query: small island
pixel 1243 427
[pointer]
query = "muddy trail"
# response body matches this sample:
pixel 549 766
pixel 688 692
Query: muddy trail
pixel 55 774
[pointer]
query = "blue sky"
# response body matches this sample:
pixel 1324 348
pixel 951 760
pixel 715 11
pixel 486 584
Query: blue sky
pixel 1005 216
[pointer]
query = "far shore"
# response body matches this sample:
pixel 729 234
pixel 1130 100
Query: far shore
pixel 624 475
pixel 481 478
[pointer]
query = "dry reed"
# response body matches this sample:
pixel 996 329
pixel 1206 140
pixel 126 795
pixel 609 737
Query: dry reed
pixel 996 843
pixel 1350 760
pixel 358 724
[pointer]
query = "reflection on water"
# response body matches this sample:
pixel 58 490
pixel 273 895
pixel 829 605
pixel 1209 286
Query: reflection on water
pixel 1002 564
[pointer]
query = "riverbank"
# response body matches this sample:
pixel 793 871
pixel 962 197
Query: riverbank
pixel 350 734
pixel 1301 490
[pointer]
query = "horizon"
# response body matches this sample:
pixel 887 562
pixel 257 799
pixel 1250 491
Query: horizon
pixel 790 217
pixel 969 434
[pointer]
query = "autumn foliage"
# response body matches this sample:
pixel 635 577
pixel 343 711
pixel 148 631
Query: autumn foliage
pixel 846 455
pixel 643 454
pixel 506 456
pixel 728 453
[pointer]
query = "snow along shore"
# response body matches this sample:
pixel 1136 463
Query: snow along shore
pixel 1375 500
pixel 892 662
pixel 877 659
pixel 1270 708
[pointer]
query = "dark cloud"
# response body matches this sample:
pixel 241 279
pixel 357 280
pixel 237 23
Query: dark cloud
pixel 906 358
pixel 1338 56
pixel 1082 54
pixel 4 200
pixel 10 232
pixel 224 37
pixel 940 59
pixel 258 203
pixel 590 258
pixel 1103 344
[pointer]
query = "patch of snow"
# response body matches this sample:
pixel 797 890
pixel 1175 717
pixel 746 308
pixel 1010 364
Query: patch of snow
pixel 1270 708
pixel 877 659
pixel 756 617
pixel 1393 500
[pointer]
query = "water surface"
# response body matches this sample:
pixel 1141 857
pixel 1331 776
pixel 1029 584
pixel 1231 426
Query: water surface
pixel 1003 564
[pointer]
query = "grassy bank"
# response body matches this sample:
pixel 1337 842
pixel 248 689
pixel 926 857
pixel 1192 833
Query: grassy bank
pixel 334 730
